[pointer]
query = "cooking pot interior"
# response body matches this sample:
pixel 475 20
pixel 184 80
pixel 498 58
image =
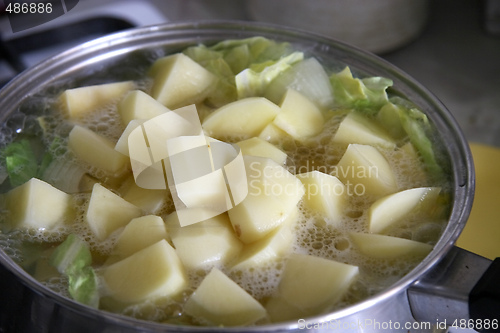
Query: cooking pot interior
pixel 112 58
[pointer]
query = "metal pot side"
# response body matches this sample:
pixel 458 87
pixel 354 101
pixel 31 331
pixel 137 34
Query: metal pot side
pixel 35 308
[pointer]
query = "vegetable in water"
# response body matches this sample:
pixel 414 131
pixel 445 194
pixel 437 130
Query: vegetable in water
pixel 253 81
pixel 138 234
pixel 96 150
pixel 368 93
pixel 107 212
pixel 299 116
pixel 21 162
pixel 73 259
pixel 205 244
pixel 357 128
pixel 329 159
pixel 312 284
pixel 416 125
pixel 78 102
pixel 273 196
pixel 388 247
pixel 307 77
pixel 137 105
pixel 244 118
pixel 220 301
pixel 391 209
pixel 179 81
pixel 259 147
pixel 37 205
pixel 268 249
pixel 155 271
pixel 364 167
pixel 325 194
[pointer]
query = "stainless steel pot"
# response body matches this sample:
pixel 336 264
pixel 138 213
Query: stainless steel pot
pixel 436 290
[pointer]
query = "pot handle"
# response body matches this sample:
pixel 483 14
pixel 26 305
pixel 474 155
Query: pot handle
pixel 462 290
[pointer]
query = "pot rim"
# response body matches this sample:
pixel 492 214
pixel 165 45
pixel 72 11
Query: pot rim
pixel 193 32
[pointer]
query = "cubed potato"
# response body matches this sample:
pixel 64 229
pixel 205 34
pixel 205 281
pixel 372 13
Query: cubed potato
pixel 388 247
pixel 273 195
pixel 37 204
pixel 257 216
pixel 258 147
pixel 80 101
pixel 204 244
pixel 271 247
pixel 244 118
pixel 312 284
pixel 325 194
pixel 137 105
pixel 96 150
pixel 307 77
pixel 155 271
pixel 265 176
pixel 357 128
pixel 140 233
pixel 272 133
pixel 179 81
pixel 299 117
pixel 389 118
pixel 391 209
pixel 108 212
pixel 122 143
pixel 150 201
pixel 220 301
pixel 208 177
pixel 366 171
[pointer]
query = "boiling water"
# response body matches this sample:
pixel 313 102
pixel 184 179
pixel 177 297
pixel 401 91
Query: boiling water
pixel 313 234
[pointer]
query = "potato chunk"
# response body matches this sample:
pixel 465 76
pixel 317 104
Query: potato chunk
pixel 356 128
pixel 273 195
pixel 80 101
pixel 312 284
pixel 391 209
pixel 299 117
pixel 220 301
pixel 387 247
pixel 179 81
pixel 37 204
pixel 137 105
pixel 271 247
pixel 155 271
pixel 122 143
pixel 258 147
pixel 96 150
pixel 150 201
pixel 108 212
pixel 272 133
pixel 140 233
pixel 365 169
pixel 243 118
pixel 325 194
pixel 204 244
